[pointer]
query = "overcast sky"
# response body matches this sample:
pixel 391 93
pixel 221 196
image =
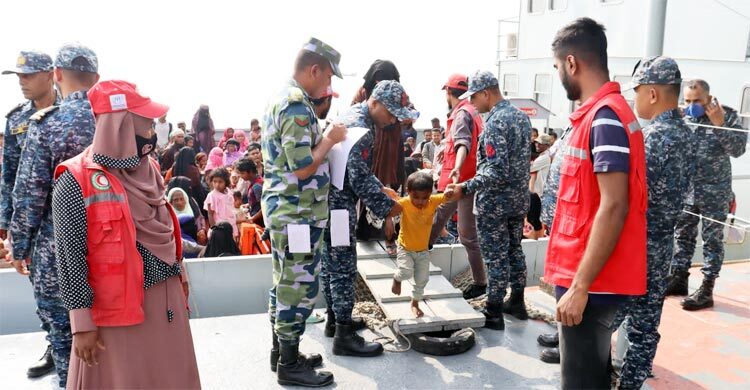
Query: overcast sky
pixel 234 56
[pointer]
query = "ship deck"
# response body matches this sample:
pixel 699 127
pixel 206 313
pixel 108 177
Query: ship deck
pixel 705 349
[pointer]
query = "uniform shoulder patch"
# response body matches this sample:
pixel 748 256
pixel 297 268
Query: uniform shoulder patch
pixel 16 108
pixel 295 95
pixel 39 115
pixel 301 120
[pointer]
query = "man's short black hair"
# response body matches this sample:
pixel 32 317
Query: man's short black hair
pixel 435 120
pixel 585 39
pixel 237 194
pixel 419 181
pixel 245 165
pixel 253 146
pixel 553 134
pixel 426 131
pixel 307 58
pixel 698 83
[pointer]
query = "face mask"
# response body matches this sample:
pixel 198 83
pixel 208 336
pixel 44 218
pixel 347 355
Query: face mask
pixel 695 110
pixel 144 145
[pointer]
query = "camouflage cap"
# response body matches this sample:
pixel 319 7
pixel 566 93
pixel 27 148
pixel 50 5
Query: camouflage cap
pixel 656 70
pixel 317 46
pixel 31 62
pixel 77 57
pixel 392 95
pixel 480 81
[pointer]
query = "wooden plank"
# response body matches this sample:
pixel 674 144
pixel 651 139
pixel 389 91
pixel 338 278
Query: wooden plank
pixel 370 250
pixel 384 268
pixel 437 287
pixel 407 323
pixel 456 313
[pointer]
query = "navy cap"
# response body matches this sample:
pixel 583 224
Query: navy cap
pixel 395 100
pixel 480 81
pixel 334 57
pixel 77 57
pixel 656 70
pixel 29 62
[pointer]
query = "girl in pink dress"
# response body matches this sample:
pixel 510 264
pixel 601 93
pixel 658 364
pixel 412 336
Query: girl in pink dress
pixel 220 202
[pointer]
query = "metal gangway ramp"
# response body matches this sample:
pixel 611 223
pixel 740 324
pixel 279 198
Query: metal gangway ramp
pixel 443 305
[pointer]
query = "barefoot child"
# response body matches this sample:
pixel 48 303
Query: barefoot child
pixel 413 258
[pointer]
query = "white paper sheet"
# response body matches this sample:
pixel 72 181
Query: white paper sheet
pixel 299 238
pixel 339 154
pixel 339 227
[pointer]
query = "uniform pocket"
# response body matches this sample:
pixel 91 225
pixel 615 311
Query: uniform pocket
pixel 106 258
pixel 570 181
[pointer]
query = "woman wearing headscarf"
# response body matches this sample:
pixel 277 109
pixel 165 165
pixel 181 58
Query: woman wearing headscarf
pixel 201 160
pixel 203 126
pixel 180 202
pixel 119 254
pixel 228 134
pixel 215 159
pixel 184 165
pixel 388 157
pixel 241 137
pixel 221 241
pixel 184 183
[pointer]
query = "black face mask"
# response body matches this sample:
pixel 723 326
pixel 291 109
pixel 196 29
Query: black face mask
pixel 144 145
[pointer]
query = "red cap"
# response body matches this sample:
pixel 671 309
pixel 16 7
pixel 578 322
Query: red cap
pixel 117 95
pixel 457 81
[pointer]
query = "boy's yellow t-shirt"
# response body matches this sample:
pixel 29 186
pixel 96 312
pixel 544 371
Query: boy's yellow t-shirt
pixel 416 224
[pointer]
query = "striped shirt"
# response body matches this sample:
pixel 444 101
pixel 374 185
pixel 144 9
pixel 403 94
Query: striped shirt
pixel 610 148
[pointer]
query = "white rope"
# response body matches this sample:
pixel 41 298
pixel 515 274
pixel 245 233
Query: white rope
pixel 743 228
pixel 717 127
pixel 389 340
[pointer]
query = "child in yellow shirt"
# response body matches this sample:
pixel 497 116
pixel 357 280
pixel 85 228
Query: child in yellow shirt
pixel 413 258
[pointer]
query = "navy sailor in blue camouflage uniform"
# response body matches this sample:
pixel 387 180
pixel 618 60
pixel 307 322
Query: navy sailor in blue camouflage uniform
pixel 709 194
pixel 34 71
pixel 55 135
pixel 669 149
pixel 502 196
pixel 387 106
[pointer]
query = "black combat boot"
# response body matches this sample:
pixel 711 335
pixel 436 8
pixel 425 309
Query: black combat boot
pixel 358 323
pixel 550 355
pixel 678 283
pixel 516 306
pixel 348 342
pixel 313 359
pixel 474 291
pixel 293 371
pixel 493 314
pixel 44 366
pixel 701 298
pixel 549 340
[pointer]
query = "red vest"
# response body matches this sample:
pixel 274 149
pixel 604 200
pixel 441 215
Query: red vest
pixel 115 265
pixel 578 201
pixel 469 169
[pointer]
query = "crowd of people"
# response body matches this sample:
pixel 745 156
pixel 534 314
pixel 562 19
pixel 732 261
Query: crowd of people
pixel 94 176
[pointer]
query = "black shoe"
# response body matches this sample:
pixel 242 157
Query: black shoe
pixel 313 360
pixel 44 366
pixel 516 306
pixel 549 340
pixel 358 323
pixel 678 283
pixel 348 342
pixel 293 371
pixel 493 317
pixel 550 355
pixel 701 298
pixel 475 290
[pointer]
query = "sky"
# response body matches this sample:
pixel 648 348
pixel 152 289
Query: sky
pixel 234 57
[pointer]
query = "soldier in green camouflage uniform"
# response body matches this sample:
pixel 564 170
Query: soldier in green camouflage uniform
pixel 295 192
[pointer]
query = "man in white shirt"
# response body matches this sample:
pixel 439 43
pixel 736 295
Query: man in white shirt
pixel 540 166
pixel 162 129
